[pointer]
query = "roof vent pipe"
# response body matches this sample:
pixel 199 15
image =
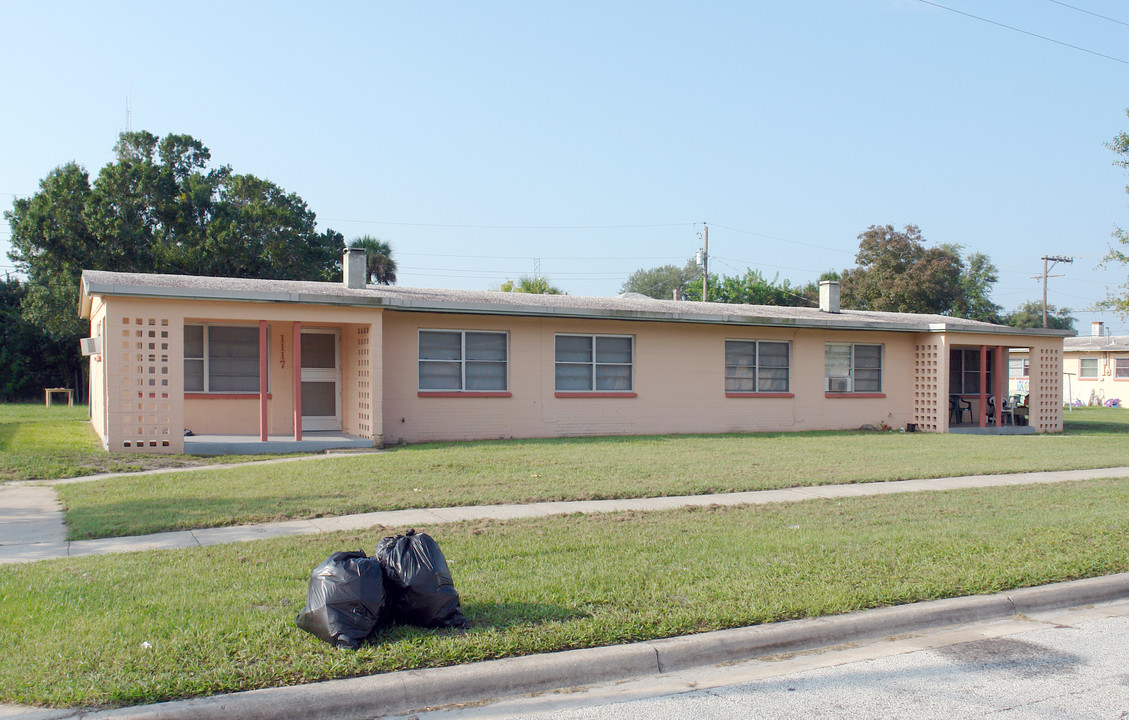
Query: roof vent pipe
pixel 829 296
pixel 354 267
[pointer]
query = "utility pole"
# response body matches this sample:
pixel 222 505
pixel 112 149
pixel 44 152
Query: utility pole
pixel 704 261
pixel 1054 260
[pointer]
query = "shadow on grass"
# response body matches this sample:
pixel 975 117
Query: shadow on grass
pixel 486 616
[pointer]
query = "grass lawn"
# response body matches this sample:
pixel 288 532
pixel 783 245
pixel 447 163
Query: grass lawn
pixel 475 473
pixel 41 443
pixel 221 619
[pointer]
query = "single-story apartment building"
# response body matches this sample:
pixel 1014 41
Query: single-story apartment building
pixel 1096 367
pixel 259 360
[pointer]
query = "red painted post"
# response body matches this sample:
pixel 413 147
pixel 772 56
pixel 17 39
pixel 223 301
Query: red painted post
pixel 297 364
pixel 263 380
pixel 1000 380
pixel 983 386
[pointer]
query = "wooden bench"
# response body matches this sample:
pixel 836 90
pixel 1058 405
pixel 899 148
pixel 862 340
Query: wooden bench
pixel 48 394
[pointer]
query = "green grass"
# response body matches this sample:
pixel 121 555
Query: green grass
pixel 475 473
pixel 220 619
pixel 41 443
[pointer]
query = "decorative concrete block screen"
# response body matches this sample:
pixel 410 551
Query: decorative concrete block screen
pixel 1046 406
pixel 928 409
pixel 364 382
pixel 143 416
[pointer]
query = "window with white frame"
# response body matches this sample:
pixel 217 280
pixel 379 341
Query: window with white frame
pixel 1121 368
pixel 221 358
pixel 463 360
pixel 756 366
pixel 853 368
pixel 1019 367
pixel 594 363
pixel 1088 369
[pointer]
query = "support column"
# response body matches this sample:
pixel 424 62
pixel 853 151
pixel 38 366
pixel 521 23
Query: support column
pixel 263 380
pixel 999 385
pixel 297 360
pixel 983 386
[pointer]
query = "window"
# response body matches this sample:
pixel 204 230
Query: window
pixel 462 361
pixel 756 366
pixel 221 358
pixel 1019 367
pixel 1088 369
pixel 964 371
pixel 594 363
pixel 1121 369
pixel 853 368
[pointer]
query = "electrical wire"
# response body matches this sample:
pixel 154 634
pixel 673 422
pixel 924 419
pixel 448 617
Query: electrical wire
pixel 1024 32
pixel 511 227
pixel 1082 10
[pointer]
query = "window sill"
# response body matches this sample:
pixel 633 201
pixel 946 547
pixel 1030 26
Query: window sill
pixel 854 395
pixel 759 395
pixel 595 394
pixel 222 396
pixel 463 394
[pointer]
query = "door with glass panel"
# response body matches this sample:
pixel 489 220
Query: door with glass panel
pixel 321 380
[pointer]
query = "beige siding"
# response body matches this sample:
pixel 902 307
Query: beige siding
pixel 679 383
pixel 1104 387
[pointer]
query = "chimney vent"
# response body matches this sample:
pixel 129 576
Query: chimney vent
pixel 1096 328
pixel 829 296
pixel 354 268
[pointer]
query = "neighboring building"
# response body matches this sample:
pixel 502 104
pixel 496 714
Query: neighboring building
pixel 1096 368
pixel 267 359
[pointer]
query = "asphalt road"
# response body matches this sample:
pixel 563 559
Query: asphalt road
pixel 1060 664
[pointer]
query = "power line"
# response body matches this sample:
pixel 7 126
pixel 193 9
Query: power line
pixel 1025 32
pixel 780 239
pixel 1083 10
pixel 512 227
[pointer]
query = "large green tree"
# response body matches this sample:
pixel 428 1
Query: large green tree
pixel 29 359
pixel 753 288
pixel 1119 301
pixel 1030 315
pixel 661 282
pixel 159 206
pixel 896 272
pixel 380 267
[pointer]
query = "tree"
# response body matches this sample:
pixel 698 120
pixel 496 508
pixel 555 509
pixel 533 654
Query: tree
pixel 753 288
pixel 381 268
pixel 1030 315
pixel 978 276
pixel 530 285
pixel 897 273
pixel 29 359
pixel 661 282
pixel 159 207
pixel 1119 302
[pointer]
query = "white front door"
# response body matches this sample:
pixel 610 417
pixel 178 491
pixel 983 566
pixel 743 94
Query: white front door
pixel 321 380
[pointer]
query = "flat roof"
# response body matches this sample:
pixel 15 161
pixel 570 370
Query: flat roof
pixel 192 287
pixel 1095 343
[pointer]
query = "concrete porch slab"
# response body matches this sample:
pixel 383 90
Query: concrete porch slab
pixel 311 442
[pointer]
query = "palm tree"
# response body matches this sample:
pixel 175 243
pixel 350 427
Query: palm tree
pixel 381 268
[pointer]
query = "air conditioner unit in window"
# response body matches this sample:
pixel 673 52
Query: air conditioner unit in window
pixel 90 345
pixel 838 384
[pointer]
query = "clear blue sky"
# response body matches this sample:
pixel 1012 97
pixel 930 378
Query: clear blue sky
pixel 479 138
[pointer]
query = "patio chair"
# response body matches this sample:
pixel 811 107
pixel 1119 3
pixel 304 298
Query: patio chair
pixel 957 409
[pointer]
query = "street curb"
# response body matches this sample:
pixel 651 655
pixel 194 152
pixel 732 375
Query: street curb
pixel 400 693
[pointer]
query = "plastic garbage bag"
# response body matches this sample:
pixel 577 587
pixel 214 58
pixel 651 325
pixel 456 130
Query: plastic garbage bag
pixel 418 582
pixel 345 600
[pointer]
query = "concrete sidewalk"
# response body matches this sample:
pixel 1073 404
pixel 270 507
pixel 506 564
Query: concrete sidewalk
pixel 32 529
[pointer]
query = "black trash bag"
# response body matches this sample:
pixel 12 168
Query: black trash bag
pixel 418 582
pixel 345 600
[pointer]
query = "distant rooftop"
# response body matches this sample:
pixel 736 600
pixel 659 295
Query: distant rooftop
pixel 632 307
pixel 1112 343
